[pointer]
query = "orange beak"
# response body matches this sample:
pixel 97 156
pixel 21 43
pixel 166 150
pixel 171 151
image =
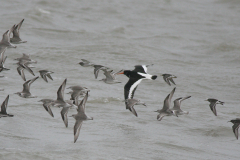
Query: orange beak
pixel 120 72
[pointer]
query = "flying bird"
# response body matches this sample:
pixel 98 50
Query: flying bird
pixel 2 61
pixel 165 111
pixel 213 103
pixel 86 63
pixel 80 117
pixel 24 65
pixel 168 78
pixel 97 68
pixel 44 74
pixel 60 102
pixel 4 105
pixel 26 89
pixel 16 35
pixel 26 57
pixel 135 77
pixel 77 91
pixel 235 127
pixel 110 77
pixel 177 104
pixel 130 104
pixel 46 105
pixel 5 42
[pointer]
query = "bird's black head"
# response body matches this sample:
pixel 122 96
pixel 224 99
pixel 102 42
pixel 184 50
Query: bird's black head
pixel 125 72
pixel 237 120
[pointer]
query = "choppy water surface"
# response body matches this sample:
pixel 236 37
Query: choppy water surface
pixel 198 41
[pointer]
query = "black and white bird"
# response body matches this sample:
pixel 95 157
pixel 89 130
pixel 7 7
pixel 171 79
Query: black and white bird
pixel 168 78
pixel 135 77
pixel 213 103
pixel 235 127
pixel 16 35
pixel 4 105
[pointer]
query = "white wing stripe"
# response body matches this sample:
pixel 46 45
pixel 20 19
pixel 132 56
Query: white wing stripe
pixel 132 88
pixel 145 68
pixel 147 76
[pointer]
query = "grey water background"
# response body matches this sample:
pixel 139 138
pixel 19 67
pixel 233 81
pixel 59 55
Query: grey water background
pixel 198 41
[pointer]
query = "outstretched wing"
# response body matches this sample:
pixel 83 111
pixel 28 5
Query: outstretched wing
pixel 130 87
pixel 64 112
pixel 81 106
pixel 76 130
pixel 235 128
pixel 60 92
pixel 141 68
pixel 212 106
pixel 4 105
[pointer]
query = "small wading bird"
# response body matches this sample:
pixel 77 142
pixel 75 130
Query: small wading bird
pixel 97 68
pixel 235 127
pixel 168 78
pixel 86 63
pixel 26 89
pixel 16 34
pixel 44 74
pixel 130 104
pixel 5 42
pixel 165 111
pixel 24 65
pixel 177 104
pixel 2 61
pixel 26 57
pixel 110 77
pixel 60 102
pixel 213 103
pixel 77 91
pixel 3 112
pixel 46 105
pixel 80 117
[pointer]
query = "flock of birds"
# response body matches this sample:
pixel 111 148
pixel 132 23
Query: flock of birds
pixel 135 77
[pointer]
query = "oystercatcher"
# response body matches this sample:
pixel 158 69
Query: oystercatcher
pixel 135 77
